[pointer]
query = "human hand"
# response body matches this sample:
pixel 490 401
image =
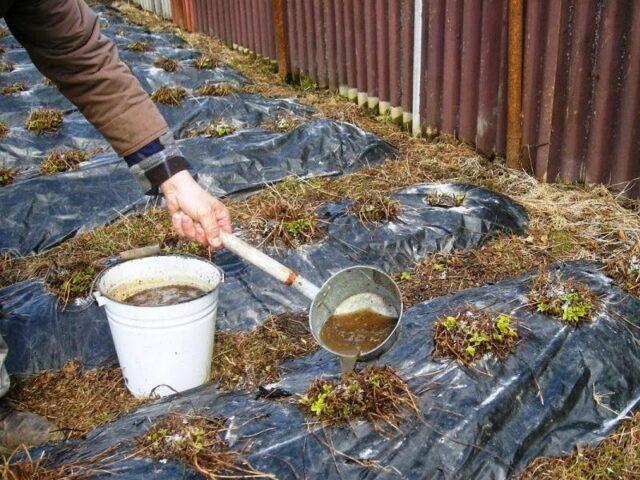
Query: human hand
pixel 195 214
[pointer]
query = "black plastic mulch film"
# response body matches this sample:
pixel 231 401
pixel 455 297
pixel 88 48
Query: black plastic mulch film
pixel 542 400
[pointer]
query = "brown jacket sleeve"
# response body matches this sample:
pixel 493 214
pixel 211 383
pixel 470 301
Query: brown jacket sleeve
pixel 64 41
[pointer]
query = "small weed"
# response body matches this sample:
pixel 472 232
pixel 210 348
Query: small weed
pixel 572 302
pixel 13 88
pixel 5 67
pixel 71 282
pixel 140 47
pixel 469 335
pixel 48 82
pixel 62 161
pixel 167 64
pixel 307 83
pixel 283 123
pixel 205 62
pixel 214 129
pixel 197 441
pixel 4 130
pixel 7 175
pixel 376 394
pixel 244 360
pixel 44 121
pixel 445 200
pixel 3 32
pixel 169 95
pixel 216 89
pixel 375 208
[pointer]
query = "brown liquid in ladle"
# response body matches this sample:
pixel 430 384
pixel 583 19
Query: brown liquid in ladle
pixel 357 332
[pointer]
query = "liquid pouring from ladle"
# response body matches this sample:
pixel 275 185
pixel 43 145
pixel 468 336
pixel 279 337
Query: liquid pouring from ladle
pixel 354 289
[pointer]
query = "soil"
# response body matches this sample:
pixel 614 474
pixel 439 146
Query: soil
pixel 357 332
pixel 376 394
pixel 469 335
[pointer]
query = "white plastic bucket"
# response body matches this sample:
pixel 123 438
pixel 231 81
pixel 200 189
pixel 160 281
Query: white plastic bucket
pixel 166 349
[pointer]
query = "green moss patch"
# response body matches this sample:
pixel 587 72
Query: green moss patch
pixel 62 161
pixel 140 47
pixel 205 62
pixel 376 394
pixel 47 120
pixel 169 95
pixel 13 88
pixel 167 64
pixel 216 89
pixel 445 200
pixel 7 175
pixel 244 360
pixel 469 335
pixel 198 442
pixel 572 302
pixel 375 208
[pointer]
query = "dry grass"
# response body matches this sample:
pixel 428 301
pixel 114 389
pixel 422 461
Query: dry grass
pixel 216 89
pixel 5 67
pixel 198 442
pixel 376 394
pixel 624 268
pixel 7 175
pixel 169 95
pixel 375 208
pixel 46 120
pixel 245 360
pixel 618 457
pixel 471 334
pixel 48 82
pixel 29 468
pixel 205 62
pixel 501 258
pixel 3 32
pixel 63 161
pixel 568 300
pixel 14 88
pixel 167 64
pixel 4 130
pixel 76 401
pixel 140 47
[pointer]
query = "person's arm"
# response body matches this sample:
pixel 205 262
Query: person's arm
pixel 64 41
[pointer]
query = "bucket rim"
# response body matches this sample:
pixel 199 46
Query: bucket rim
pixel 95 293
pixel 381 347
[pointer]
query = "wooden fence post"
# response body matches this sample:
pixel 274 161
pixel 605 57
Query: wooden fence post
pixel 280 29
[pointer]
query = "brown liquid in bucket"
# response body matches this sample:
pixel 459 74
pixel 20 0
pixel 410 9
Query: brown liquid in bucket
pixel 357 332
pixel 162 296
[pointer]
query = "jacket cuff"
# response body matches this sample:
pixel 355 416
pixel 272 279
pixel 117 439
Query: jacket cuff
pixel 156 162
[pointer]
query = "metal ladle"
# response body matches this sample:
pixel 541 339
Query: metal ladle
pixel 347 291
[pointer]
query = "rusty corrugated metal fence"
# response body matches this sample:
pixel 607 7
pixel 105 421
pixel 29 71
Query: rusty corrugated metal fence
pixel 442 66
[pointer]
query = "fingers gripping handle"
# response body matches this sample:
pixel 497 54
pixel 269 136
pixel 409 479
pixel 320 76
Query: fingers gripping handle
pixel 269 265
